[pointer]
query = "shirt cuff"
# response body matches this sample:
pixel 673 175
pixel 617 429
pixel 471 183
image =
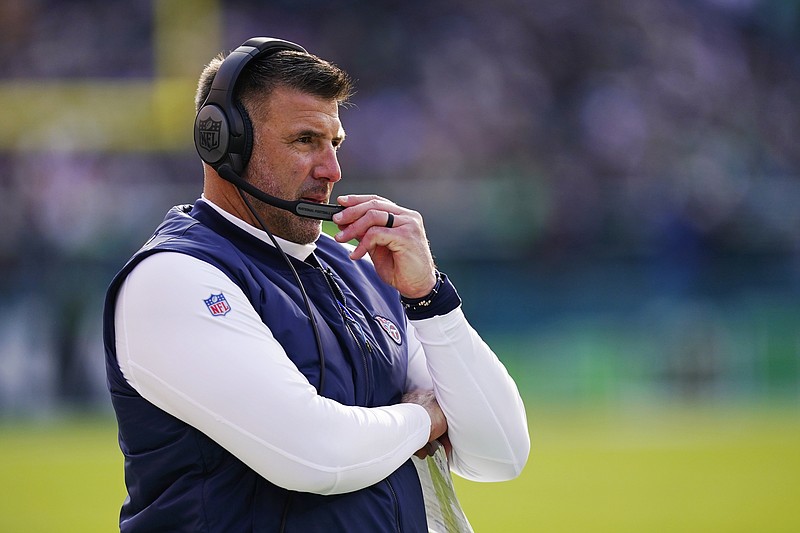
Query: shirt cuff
pixel 442 300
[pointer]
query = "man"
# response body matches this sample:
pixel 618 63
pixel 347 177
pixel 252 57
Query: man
pixel 266 377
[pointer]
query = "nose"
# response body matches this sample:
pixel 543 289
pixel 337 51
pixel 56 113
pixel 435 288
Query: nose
pixel 327 167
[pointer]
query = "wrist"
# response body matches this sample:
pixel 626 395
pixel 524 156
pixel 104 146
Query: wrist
pixel 442 299
pixel 426 299
pixel 423 289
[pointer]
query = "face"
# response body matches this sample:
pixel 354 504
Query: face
pixel 296 137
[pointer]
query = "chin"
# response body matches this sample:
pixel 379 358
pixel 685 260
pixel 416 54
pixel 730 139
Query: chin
pixel 305 232
pixel 292 227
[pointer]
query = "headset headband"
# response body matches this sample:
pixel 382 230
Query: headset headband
pixel 222 130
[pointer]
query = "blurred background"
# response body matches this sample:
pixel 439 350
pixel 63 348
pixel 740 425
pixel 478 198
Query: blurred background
pixel 613 185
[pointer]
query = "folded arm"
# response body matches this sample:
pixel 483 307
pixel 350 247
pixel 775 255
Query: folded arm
pixel 230 378
pixel 485 415
pixel 486 419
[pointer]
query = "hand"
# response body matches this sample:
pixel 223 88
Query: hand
pixel 430 448
pixel 400 253
pixel 427 399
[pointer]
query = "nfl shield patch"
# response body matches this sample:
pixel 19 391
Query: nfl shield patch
pixel 390 328
pixel 217 304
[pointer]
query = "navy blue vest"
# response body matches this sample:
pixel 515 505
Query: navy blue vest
pixel 178 479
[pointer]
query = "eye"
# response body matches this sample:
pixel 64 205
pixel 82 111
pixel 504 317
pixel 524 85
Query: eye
pixel 305 139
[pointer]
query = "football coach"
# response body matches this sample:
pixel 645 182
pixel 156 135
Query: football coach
pixel 267 377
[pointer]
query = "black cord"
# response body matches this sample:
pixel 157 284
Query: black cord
pixel 300 285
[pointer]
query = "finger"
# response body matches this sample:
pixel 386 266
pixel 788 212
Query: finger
pixel 353 200
pixel 373 218
pixel 374 237
pixel 444 440
pixel 358 206
pixel 375 234
pixel 349 200
pixel 426 451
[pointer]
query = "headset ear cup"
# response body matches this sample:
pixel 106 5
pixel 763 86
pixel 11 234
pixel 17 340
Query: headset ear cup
pixel 212 135
pixel 247 136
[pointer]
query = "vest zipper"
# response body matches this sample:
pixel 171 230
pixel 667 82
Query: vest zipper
pixel 352 324
pixel 285 514
pixel 396 505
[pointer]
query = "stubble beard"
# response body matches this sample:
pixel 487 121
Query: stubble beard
pixel 280 222
pixel 288 226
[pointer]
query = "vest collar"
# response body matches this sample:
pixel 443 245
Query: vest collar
pixel 298 251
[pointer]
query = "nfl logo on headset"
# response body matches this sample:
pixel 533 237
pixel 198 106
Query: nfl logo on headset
pixel 209 134
pixel 217 304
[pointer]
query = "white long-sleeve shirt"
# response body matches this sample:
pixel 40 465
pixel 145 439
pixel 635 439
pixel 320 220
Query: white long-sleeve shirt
pixel 256 403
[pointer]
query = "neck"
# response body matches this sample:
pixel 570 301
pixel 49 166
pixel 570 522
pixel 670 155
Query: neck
pixel 225 195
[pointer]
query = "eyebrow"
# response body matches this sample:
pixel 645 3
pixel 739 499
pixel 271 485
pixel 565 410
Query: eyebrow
pixel 317 134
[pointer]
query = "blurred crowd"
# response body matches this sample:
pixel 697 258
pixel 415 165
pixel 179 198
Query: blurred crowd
pixel 534 134
pixel 585 126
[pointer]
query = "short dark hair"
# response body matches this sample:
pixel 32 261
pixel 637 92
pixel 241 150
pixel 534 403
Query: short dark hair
pixel 295 70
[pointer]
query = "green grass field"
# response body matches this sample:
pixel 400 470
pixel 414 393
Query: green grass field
pixel 686 469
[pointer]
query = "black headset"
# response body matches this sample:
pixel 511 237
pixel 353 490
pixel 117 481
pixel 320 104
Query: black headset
pixel 223 133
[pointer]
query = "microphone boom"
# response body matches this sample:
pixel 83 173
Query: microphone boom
pixel 298 207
